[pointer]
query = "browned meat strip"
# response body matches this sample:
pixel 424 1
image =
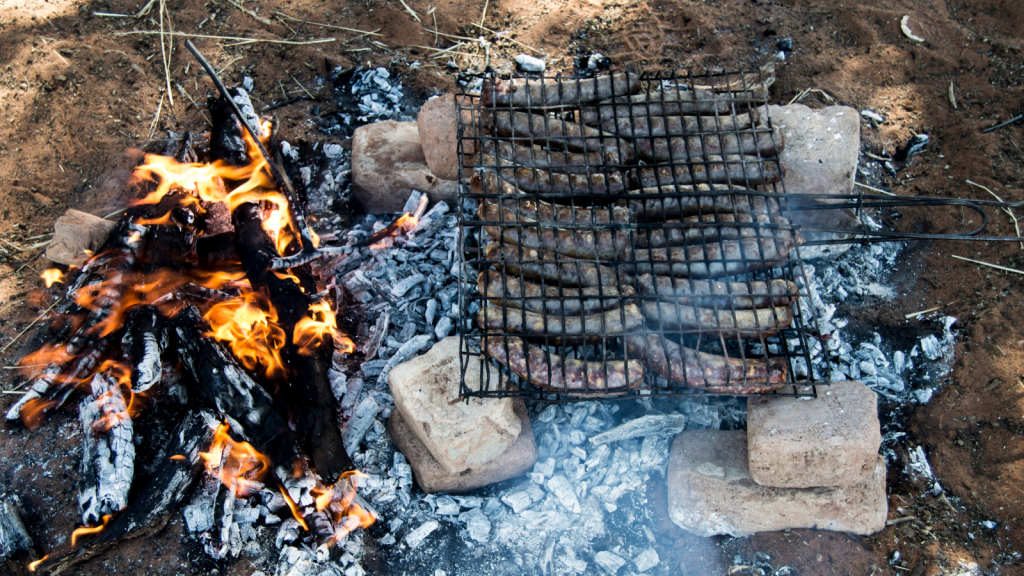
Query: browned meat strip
pixel 592 327
pixel 549 267
pixel 731 323
pixel 766 144
pixel 586 242
pixel 680 201
pixel 531 156
pixel 664 103
pixel 643 126
pixel 558 374
pixel 510 291
pixel 545 212
pixel 530 93
pixel 544 182
pixel 713 260
pixel 723 295
pixel 705 228
pixel 707 371
pixel 746 170
pixel 561 135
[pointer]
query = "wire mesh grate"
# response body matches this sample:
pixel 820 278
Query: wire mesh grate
pixel 628 235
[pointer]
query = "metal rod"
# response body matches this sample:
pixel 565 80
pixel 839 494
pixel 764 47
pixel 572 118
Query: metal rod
pixel 295 210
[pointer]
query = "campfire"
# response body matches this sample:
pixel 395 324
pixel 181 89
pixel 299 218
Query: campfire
pixel 232 324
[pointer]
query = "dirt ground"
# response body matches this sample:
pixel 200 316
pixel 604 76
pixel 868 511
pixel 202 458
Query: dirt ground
pixel 79 91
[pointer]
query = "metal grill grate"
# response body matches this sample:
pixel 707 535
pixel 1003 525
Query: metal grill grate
pixel 628 236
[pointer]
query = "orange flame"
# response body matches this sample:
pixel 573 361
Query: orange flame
pixel 248 324
pixel 237 464
pixel 52 275
pixel 310 330
pixel 33 565
pixel 33 411
pixel 295 509
pixel 87 530
pixel 177 457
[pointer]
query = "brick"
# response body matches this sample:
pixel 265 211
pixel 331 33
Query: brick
pixel 711 492
pixel 831 440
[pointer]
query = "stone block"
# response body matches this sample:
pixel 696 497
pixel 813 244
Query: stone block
pixel 388 163
pixel 710 492
pixel 438 128
pixel 460 435
pixel 76 236
pixel 822 147
pixel 820 157
pixel 432 477
pixel 831 440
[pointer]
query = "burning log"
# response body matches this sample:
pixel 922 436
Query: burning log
pixel 145 342
pixel 108 453
pixel 177 470
pixel 307 393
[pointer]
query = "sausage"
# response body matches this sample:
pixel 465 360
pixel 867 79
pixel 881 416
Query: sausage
pixel 510 291
pixel 556 373
pixel 664 103
pixel 645 126
pixel 545 212
pixel 561 135
pixel 530 93
pixel 532 156
pixel 712 260
pixel 591 328
pixel 548 267
pixel 704 228
pixel 710 294
pixel 585 242
pixel 747 170
pixel 757 323
pixel 760 143
pixel 666 202
pixel 707 371
pixel 543 182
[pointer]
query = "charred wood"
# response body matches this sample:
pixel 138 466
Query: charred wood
pixel 108 453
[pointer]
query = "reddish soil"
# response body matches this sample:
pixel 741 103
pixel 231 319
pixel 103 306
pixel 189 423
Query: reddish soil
pixel 75 96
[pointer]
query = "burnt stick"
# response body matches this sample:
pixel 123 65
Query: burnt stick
pixel 295 209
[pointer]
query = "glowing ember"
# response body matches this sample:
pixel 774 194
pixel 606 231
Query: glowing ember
pixel 248 324
pixel 51 276
pixel 87 530
pixel 33 565
pixel 237 464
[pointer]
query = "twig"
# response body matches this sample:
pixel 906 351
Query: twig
pixel 189 96
pixel 411 12
pixel 156 117
pixel 952 97
pixel 301 86
pixel 433 14
pixel 509 38
pixel 896 521
pixel 1016 118
pixel 875 189
pixel 876 157
pixel 996 266
pixel 923 312
pixel 803 94
pixel 165 55
pixel 232 38
pixel 229 65
pixel 331 26
pixel 31 324
pixel 255 17
pixel 483 15
pixel 1006 209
